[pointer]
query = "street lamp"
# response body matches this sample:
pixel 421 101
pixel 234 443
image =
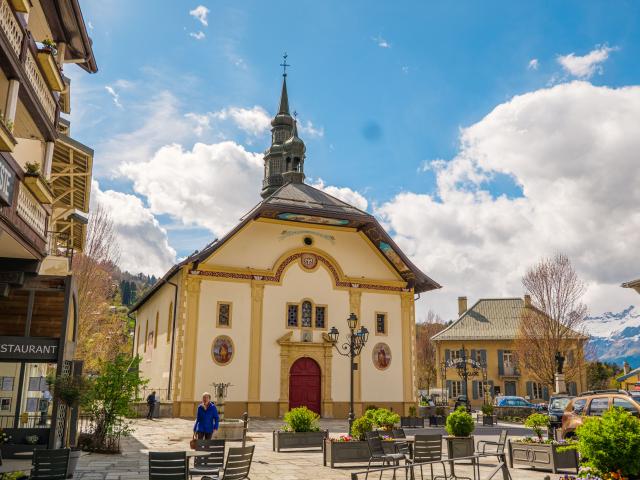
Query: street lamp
pixel 354 344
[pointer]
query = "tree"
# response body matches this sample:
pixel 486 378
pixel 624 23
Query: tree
pixel 93 271
pixel 426 370
pixel 553 323
pixel 602 375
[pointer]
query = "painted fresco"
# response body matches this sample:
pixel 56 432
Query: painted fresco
pixel 393 257
pixel 381 356
pixel 222 350
pixel 300 217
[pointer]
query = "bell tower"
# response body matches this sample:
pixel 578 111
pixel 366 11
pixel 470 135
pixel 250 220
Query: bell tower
pixel 284 159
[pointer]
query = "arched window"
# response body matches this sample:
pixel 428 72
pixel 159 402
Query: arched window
pixel 288 164
pixel 307 310
pixel 296 164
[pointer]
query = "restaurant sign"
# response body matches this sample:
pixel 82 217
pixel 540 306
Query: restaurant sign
pixel 7 181
pixel 29 349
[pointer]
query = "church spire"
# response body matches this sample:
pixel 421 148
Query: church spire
pixel 284 159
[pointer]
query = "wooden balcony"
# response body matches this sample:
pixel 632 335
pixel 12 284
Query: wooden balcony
pixel 31 211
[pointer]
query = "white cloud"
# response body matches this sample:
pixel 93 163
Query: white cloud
pixel 381 42
pixel 197 35
pixel 114 95
pixel 254 121
pixel 352 197
pixel 200 13
pixel 310 130
pixel 572 149
pixel 142 241
pixel 211 186
pixel 533 64
pixel 585 66
pixel 202 122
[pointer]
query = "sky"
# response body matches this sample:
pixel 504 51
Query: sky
pixel 483 135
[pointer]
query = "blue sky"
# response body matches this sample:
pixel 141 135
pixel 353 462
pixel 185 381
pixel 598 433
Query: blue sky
pixel 388 87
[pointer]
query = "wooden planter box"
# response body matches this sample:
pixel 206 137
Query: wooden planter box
pixel 412 422
pixel 437 421
pixel 50 69
pixel 39 187
pixel 489 420
pixel 543 456
pixel 298 440
pixel 349 452
pixel 9 450
pixel 458 447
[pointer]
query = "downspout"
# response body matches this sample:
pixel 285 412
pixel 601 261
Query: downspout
pixel 173 335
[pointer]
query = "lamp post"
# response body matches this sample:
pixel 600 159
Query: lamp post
pixel 355 341
pixel 443 378
pixel 462 365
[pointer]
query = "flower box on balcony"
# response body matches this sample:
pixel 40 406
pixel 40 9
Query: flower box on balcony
pixel 7 141
pixel 50 69
pixel 39 187
pixel 22 6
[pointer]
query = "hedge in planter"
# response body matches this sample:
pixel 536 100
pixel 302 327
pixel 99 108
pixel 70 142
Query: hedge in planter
pixel 300 432
pixel 460 426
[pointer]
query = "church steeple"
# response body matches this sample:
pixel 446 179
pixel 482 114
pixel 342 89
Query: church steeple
pixel 284 159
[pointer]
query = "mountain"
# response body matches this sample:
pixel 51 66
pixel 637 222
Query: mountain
pixel 615 337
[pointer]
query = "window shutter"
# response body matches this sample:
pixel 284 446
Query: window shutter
pixel 464 389
pixel 483 357
pixel 545 393
pixel 449 388
pixel 475 389
pixel 473 355
pixel 530 389
pixel 491 391
pixel 500 362
pixel 447 355
pixel 570 358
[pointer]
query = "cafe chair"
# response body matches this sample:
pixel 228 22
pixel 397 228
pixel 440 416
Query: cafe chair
pixel 208 464
pixel 168 466
pixel 238 464
pixel 50 464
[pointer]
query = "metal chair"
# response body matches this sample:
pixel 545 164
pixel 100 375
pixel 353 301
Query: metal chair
pixel 168 466
pixel 401 447
pixel 50 464
pixel 377 453
pixel 209 464
pixel 237 466
pixel 499 445
pixel 428 448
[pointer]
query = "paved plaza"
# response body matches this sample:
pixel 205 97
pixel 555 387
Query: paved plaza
pixel 174 434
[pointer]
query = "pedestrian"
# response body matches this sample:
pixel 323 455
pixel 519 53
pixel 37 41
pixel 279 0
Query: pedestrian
pixel 151 403
pixel 207 418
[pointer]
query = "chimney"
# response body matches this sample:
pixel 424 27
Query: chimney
pixel 626 368
pixel 527 301
pixel 462 305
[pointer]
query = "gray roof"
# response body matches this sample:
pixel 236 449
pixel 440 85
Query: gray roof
pixel 488 319
pixel 635 371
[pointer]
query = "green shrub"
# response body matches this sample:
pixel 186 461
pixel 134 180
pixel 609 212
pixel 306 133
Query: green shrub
pixel 611 443
pixel 361 426
pixel 302 419
pixel 385 419
pixel 487 409
pixel 536 422
pixel 412 411
pixel 370 407
pixel 460 423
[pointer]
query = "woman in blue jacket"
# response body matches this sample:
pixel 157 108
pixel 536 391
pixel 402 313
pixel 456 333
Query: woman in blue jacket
pixel 206 419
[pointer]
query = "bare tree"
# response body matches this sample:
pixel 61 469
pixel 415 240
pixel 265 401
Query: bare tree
pixel 93 271
pixel 554 321
pixel 426 369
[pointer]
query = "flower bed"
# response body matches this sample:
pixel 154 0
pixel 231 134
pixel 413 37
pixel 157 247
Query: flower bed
pixel 298 440
pixel 346 449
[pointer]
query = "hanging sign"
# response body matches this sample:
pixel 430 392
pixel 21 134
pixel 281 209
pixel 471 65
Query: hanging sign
pixel 29 348
pixel 7 182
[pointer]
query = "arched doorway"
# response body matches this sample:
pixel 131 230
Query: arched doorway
pixel 304 384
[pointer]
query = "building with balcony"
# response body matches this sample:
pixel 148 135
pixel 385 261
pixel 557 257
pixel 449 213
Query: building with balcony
pixel 45 180
pixel 484 336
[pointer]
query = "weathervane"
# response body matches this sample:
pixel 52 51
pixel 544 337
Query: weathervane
pixel 284 64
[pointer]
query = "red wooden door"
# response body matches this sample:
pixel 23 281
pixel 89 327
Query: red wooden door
pixel 304 384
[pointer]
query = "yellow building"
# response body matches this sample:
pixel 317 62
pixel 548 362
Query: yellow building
pixel 486 333
pixel 254 307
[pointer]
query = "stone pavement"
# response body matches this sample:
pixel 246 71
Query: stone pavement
pixel 174 434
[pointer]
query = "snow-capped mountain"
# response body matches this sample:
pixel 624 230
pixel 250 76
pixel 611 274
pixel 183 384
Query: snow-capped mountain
pixel 616 336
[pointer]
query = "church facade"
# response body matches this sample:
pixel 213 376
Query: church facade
pixel 254 308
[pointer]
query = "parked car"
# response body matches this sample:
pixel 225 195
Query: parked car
pixel 594 404
pixel 515 402
pixel 557 405
pixel 635 395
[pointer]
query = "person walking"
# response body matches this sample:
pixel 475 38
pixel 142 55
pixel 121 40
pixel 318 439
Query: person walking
pixel 207 418
pixel 151 403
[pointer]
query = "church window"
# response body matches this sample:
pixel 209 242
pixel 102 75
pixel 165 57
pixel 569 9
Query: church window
pixel 155 331
pixel 292 315
pixel 170 322
pixel 224 314
pixel 321 316
pixel 306 313
pixel 381 323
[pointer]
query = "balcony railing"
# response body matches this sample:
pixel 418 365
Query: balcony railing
pixel 10 26
pixel 511 371
pixel 40 85
pixel 59 244
pixel 30 210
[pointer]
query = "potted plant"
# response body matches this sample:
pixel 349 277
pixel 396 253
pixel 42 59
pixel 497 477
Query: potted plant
pixel 412 421
pixel 384 419
pixel 301 431
pixel 49 45
pixel 68 391
pixel 540 453
pixel 487 414
pixel 460 426
pixel 439 418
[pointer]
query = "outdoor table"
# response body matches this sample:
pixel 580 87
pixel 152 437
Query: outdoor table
pixel 10 465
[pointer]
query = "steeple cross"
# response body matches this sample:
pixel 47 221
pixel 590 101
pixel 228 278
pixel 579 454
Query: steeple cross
pixel 284 64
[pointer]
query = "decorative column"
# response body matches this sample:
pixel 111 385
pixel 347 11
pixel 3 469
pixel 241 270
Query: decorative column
pixel 190 347
pixel 355 303
pixel 408 365
pixel 255 348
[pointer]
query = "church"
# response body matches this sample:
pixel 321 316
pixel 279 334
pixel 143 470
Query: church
pixel 254 308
